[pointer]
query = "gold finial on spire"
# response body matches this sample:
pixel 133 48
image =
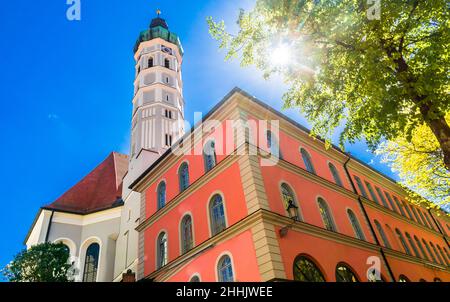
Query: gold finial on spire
pixel 158 12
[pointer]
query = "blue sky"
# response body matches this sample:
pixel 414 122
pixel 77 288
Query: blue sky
pixel 66 90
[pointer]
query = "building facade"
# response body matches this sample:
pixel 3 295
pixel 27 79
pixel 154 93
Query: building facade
pixel 245 195
pixel 308 213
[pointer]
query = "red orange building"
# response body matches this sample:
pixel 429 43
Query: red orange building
pixel 313 214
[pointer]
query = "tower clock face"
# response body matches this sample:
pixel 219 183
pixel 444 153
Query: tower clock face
pixel 166 49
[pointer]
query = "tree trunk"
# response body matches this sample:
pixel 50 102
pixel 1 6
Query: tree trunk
pixel 441 131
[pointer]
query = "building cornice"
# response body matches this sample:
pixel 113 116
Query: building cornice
pixel 391 213
pixel 148 43
pixel 415 260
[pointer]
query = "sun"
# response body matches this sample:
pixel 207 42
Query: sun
pixel 281 55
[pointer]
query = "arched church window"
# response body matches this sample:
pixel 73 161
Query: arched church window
pixel 345 274
pixel 334 172
pixel 306 270
pixel 187 241
pixel 307 161
pixel 402 241
pixel 289 199
pixel 91 263
pixel 209 155
pixel 326 215
pixel 183 174
pixel 225 269
pixel 382 234
pixel 355 224
pixel 161 195
pixel 162 250
pixel 273 145
pixel 217 214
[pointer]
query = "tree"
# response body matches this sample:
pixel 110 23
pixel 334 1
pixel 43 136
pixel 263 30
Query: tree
pixel 45 262
pixel 383 78
pixel 420 165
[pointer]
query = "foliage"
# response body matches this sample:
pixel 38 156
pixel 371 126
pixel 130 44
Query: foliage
pixel 420 166
pixel 45 262
pixel 383 78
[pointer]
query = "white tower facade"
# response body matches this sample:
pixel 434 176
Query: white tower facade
pixel 157 123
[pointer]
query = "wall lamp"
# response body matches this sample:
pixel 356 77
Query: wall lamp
pixel 292 210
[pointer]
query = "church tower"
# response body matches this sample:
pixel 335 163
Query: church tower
pixel 158 105
pixel 157 123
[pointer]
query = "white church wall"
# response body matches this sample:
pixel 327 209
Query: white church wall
pixel 39 229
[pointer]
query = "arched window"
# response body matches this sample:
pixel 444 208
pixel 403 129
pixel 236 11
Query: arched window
pixel 413 245
pixel 91 263
pixel 183 174
pixel 306 270
pixel 345 274
pixel 437 280
pixel 288 198
pixel 399 206
pixel 425 223
pixel 209 155
pixel 150 62
pixel 433 258
pixel 161 192
pixel 383 200
pixel 403 242
pixel 419 244
pixel 391 201
pixel 162 250
pixel 446 252
pixel 430 225
pixel 225 269
pixel 362 190
pixel 195 279
pixel 442 254
pixel 66 248
pixel 382 234
pixel 355 224
pixel 167 63
pixel 403 278
pixel 436 253
pixel 415 214
pixel 326 215
pixel 187 241
pixel 335 174
pixel 217 214
pixel 307 160
pixel 272 144
pixel 372 193
pixel 408 210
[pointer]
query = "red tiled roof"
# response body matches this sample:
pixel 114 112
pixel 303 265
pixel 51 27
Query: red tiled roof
pixel 101 189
